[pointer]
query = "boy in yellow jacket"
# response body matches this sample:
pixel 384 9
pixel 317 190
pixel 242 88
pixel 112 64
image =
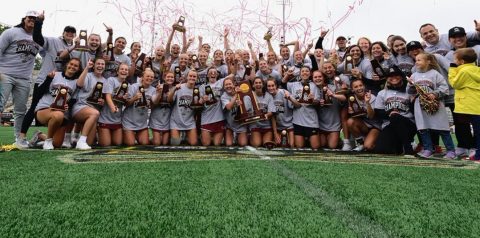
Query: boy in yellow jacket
pixel 464 76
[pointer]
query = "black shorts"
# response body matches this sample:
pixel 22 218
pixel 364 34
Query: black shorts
pixel 304 131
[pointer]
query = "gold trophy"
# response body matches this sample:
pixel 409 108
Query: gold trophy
pixel 327 101
pixel 121 91
pixel 82 44
pixel 340 87
pixel 60 99
pixel 358 111
pixel 180 25
pixel 142 102
pixel 268 35
pixel 195 104
pixel 249 111
pixel 96 94
pixel 211 95
pixel 178 74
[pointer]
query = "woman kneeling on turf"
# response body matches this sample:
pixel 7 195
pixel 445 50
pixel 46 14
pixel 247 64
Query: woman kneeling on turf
pixel 57 118
pixel 159 121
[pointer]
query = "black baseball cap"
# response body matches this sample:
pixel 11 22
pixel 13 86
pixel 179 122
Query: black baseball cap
pixel 412 45
pixel 70 29
pixel 456 31
pixel 394 71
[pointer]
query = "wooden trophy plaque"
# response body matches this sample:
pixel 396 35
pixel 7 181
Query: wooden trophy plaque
pixel 195 104
pixel 211 95
pixel 121 91
pixel 142 102
pixel 180 25
pixel 178 75
pixel 60 99
pixel 348 65
pixel 110 54
pixel 378 69
pixel 140 62
pixel 304 98
pixel 96 94
pixel 358 111
pixel 327 100
pixel 82 44
pixel 249 111
pixel 340 87
pixel 284 139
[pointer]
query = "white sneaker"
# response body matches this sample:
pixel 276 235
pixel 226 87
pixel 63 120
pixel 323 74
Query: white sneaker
pixel 82 146
pixel 48 144
pixel 359 148
pixel 22 143
pixel 66 144
pixel 347 146
pixel 35 138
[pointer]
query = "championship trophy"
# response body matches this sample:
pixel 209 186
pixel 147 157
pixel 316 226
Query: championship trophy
pixel 348 65
pixel 269 34
pixel 82 44
pixel 60 99
pixel 195 62
pixel 327 101
pixel 249 111
pixel 195 104
pixel 110 54
pixel 284 139
pixel 121 91
pixel 304 98
pixel 143 100
pixel 163 100
pixel 284 69
pixel 96 94
pixel 377 68
pixel 248 71
pixel 340 87
pixel 178 74
pixel 211 95
pixel 140 62
pixel 180 25
pixel 358 111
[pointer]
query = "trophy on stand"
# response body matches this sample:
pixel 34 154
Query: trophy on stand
pixel 195 104
pixel 121 91
pixel 110 54
pixel 340 87
pixel 284 69
pixel 180 25
pixel 284 139
pixel 143 100
pixel 269 34
pixel 82 44
pixel 358 111
pixel 327 100
pixel 60 99
pixel 96 94
pixel 140 62
pixel 248 71
pixel 163 100
pixel 249 111
pixel 377 68
pixel 304 98
pixel 348 65
pixel 178 74
pixel 195 62
pixel 211 95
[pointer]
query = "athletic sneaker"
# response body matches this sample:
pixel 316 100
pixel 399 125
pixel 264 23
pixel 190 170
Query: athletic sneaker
pixel 21 143
pixel 66 144
pixel 48 144
pixel 346 146
pixel 35 138
pixel 359 148
pixel 461 152
pixel 82 146
pixel 450 155
pixel 425 154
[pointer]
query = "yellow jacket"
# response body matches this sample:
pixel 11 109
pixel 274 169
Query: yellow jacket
pixel 465 79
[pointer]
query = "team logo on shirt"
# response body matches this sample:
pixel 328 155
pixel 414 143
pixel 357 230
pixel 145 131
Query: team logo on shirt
pixel 397 103
pixel 26 49
pixel 426 85
pixel 185 101
pixel 279 107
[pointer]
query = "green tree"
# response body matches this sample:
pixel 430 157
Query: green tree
pixel 3 27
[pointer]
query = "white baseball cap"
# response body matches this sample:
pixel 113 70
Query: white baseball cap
pixel 31 14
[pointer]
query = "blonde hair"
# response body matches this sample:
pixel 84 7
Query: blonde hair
pixel 432 61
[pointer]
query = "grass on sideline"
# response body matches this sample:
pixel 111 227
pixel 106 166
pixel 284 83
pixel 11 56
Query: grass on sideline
pixel 42 196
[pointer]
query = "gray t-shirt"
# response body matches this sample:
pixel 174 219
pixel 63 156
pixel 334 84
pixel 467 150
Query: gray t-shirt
pixel 84 56
pixel 389 99
pixel 230 115
pixel 283 110
pixel 160 117
pixel 223 69
pixel 306 115
pixel 111 67
pixel 266 105
pixel 329 115
pixel 182 117
pixel 135 117
pixel 106 115
pixel 17 53
pixel 444 46
pixel 365 66
pixel 86 91
pixel 214 112
pixel 52 48
pixel 431 81
pixel 274 74
pixel 58 82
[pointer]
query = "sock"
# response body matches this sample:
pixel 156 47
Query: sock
pixel 346 141
pixel 82 139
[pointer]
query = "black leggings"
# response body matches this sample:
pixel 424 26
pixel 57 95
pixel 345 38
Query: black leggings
pixel 396 138
pixel 462 130
pixel 38 92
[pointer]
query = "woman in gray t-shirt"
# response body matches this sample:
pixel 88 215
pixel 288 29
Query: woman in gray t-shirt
pixel 230 104
pixel 159 121
pixel 65 83
pixel 262 131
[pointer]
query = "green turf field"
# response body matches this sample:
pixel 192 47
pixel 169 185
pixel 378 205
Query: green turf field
pixel 231 192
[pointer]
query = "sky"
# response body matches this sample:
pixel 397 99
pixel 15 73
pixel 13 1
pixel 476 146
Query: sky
pixel 150 21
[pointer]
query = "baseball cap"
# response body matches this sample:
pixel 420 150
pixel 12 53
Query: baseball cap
pixel 31 14
pixel 414 45
pixel 394 71
pixel 456 31
pixel 70 29
pixel 341 38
